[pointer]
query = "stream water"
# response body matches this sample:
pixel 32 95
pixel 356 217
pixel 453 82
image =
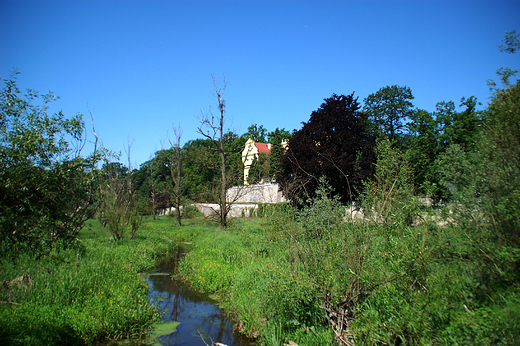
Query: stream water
pixel 199 317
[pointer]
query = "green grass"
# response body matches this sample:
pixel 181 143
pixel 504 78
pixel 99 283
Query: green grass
pixel 248 272
pixel 76 302
pixel 417 285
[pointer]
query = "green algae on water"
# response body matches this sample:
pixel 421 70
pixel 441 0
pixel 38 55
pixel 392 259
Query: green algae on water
pixel 161 329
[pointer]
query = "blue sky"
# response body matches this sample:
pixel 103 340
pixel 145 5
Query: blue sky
pixel 143 66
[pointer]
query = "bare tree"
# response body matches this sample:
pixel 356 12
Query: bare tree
pixel 118 208
pixel 153 193
pixel 175 167
pixel 212 128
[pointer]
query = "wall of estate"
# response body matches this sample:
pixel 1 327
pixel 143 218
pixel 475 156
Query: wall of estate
pixel 245 200
pixel 257 193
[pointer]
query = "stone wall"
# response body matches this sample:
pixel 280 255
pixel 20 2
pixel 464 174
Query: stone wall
pixel 237 210
pixel 258 193
pixel 245 200
pixel 211 209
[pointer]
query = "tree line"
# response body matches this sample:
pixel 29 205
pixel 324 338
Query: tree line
pixel 49 188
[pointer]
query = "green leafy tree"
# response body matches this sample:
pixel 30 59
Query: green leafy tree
pixel 423 148
pixel 511 42
pixel 430 135
pixel 257 133
pixel 391 187
pixel 501 184
pixel 46 187
pixel 174 162
pixel 151 184
pixel 484 186
pixel 259 168
pixel 511 45
pixel 444 115
pixel 458 127
pixel 276 138
pixel 389 110
pixel 200 169
pixel 156 186
pixel 254 172
pixel 235 145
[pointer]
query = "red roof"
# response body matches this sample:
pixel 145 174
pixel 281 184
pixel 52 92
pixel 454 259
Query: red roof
pixel 263 148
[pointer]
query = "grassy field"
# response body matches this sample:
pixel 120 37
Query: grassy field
pixel 276 275
pixel 291 275
pixel 247 270
pixel 84 295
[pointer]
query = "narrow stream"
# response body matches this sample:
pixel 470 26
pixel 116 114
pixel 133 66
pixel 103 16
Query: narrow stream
pixel 199 317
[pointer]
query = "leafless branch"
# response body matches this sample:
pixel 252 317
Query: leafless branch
pixel 175 167
pixel 215 132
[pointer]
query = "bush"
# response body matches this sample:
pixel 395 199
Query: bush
pixel 189 211
pixel 46 187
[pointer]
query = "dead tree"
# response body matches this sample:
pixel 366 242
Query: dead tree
pixel 153 193
pixel 212 127
pixel 175 167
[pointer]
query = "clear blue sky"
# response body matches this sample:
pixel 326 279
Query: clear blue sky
pixel 141 66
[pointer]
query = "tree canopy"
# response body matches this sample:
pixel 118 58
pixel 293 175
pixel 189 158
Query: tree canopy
pixel 257 133
pixel 388 110
pixel 276 138
pixel 46 186
pixel 334 144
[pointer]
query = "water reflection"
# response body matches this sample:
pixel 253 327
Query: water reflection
pixel 198 316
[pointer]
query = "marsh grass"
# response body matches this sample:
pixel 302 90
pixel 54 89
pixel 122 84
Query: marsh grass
pixel 402 284
pixel 248 272
pixel 413 285
pixel 78 297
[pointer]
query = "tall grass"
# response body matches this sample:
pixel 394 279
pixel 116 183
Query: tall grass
pixel 289 275
pixel 248 271
pixel 282 276
pixel 78 297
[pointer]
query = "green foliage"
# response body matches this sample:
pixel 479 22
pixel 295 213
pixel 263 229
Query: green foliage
pixel 200 169
pixel 172 159
pixel 259 168
pixel 276 138
pixel 512 43
pixel 387 195
pixel 484 182
pixel 422 151
pixel 466 289
pixel 189 211
pixel 247 271
pixel 118 208
pixel 449 299
pixel 402 284
pixel 235 166
pixel 152 184
pixel 323 214
pixel 433 134
pixel 388 111
pixel 46 186
pixel 66 301
pixel 257 133
pixel 457 127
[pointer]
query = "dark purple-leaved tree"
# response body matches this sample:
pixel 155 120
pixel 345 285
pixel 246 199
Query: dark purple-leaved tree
pixel 334 143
